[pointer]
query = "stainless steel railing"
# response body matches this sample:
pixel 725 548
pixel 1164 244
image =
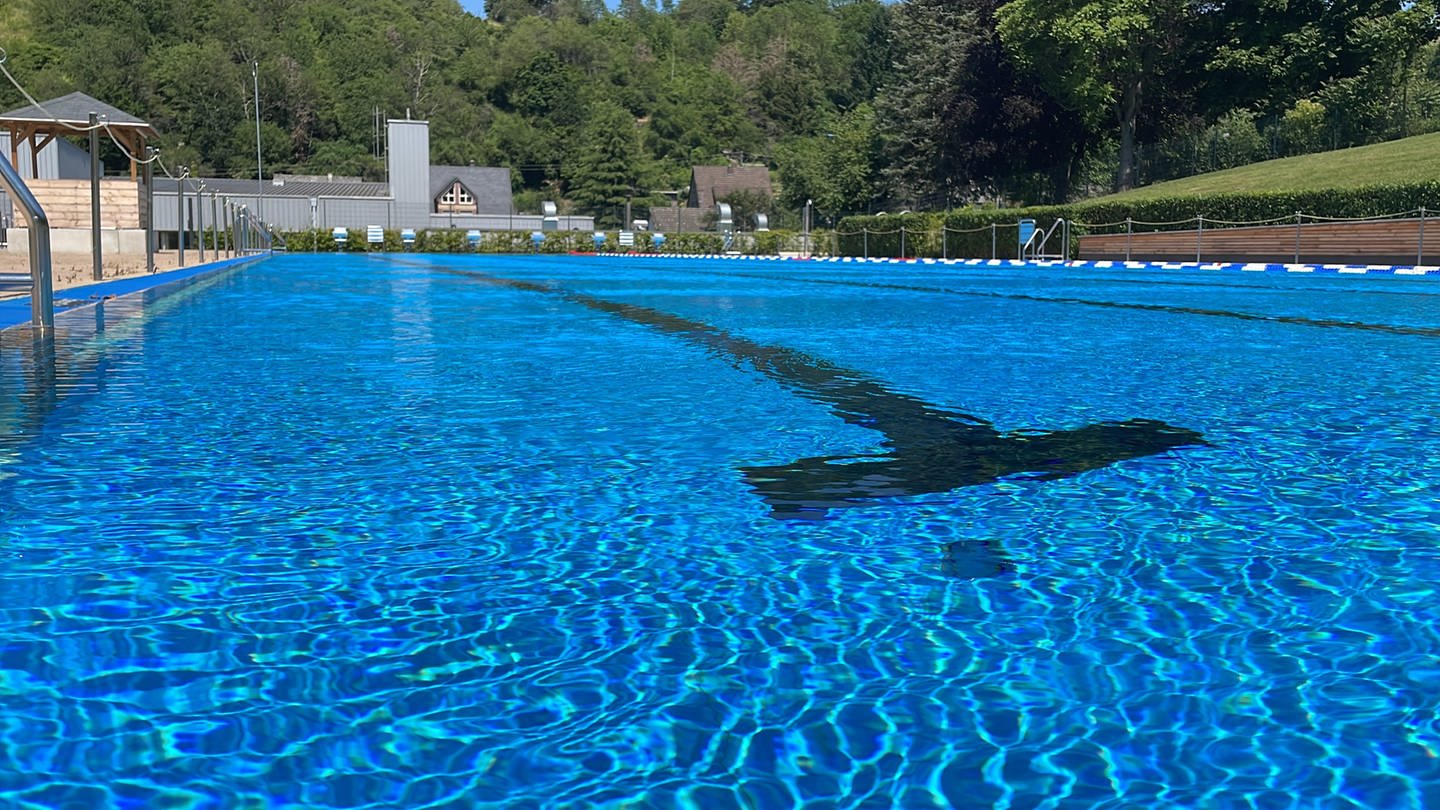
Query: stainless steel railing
pixel 42 283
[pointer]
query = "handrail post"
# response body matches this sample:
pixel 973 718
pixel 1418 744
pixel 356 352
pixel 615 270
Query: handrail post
pixel 1299 220
pixel 149 209
pixel 1420 248
pixel 944 242
pixel 993 243
pixel 180 218
pixel 42 283
pixel 1128 233
pixel 1199 234
pixel 902 241
pixel 200 219
pixel 95 196
pixel 865 237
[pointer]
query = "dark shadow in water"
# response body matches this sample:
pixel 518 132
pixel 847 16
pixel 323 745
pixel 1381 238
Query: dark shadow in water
pixel 927 449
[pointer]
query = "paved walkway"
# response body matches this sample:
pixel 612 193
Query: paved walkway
pixel 75 269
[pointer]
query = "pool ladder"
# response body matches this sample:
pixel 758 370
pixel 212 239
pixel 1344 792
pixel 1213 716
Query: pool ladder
pixel 1034 248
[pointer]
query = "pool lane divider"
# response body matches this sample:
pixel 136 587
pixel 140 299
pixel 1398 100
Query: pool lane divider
pixel 926 449
pixel 1414 271
pixel 16 311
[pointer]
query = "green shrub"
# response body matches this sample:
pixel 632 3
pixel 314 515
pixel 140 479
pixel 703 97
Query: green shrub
pixel 694 243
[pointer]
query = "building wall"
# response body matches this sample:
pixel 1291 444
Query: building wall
pixel 501 222
pixel 58 160
pixel 48 159
pixel 408 164
pixel 673 219
pixel 283 213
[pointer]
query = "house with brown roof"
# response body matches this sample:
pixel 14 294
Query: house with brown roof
pixel 709 184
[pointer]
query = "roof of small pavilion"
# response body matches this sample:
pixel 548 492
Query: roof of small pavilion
pixel 63 115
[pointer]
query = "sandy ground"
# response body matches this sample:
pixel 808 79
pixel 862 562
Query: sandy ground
pixel 75 269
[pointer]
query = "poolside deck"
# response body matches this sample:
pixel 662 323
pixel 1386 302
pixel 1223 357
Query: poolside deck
pixel 75 269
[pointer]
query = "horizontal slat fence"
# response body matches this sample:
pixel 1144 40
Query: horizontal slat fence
pixel 1389 241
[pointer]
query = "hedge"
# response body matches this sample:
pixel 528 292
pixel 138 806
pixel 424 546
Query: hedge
pixel 456 241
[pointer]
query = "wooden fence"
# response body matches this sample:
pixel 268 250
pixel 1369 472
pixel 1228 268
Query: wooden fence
pixel 1382 241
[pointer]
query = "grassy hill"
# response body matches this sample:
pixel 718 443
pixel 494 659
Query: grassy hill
pixel 1408 160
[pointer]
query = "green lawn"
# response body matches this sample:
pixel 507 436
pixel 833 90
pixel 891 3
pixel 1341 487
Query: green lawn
pixel 1409 160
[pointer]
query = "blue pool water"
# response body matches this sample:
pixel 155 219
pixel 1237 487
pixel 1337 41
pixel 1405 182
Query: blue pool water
pixel 328 532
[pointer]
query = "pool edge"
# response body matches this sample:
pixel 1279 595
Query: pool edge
pixel 1403 270
pixel 16 311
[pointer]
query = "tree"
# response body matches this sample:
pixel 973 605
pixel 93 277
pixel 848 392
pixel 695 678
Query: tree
pixel 958 121
pixel 609 171
pixel 837 171
pixel 1096 57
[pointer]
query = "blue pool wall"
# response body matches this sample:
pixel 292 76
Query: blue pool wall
pixel 1247 267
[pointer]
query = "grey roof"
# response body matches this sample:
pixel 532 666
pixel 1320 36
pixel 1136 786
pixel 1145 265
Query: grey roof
pixel 292 188
pixel 489 186
pixel 73 109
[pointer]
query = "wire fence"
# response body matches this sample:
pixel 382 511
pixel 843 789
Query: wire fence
pixel 1063 240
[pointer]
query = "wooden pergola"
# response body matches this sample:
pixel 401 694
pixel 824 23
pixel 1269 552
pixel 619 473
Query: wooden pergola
pixel 38 127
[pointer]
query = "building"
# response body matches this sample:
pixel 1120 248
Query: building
pixel 417 194
pixel 708 185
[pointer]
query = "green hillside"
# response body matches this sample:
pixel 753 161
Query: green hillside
pixel 1408 160
pixel 855 105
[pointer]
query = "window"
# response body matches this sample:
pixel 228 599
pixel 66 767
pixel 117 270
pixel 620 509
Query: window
pixel 465 198
pixel 448 198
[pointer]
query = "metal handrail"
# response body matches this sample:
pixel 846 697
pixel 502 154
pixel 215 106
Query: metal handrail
pixel 42 283
pixel 1039 249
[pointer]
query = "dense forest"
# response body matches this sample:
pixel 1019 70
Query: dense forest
pixel 857 105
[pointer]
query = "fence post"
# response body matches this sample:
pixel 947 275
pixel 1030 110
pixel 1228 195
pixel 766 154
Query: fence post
pixel 1199 234
pixel 180 218
pixel 944 242
pixel 1128 232
pixel 865 237
pixel 96 172
pixel 1420 249
pixel 1299 218
pixel 992 241
pixel 902 241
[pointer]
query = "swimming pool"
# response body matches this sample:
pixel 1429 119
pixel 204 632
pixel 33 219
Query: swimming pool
pixel 534 532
